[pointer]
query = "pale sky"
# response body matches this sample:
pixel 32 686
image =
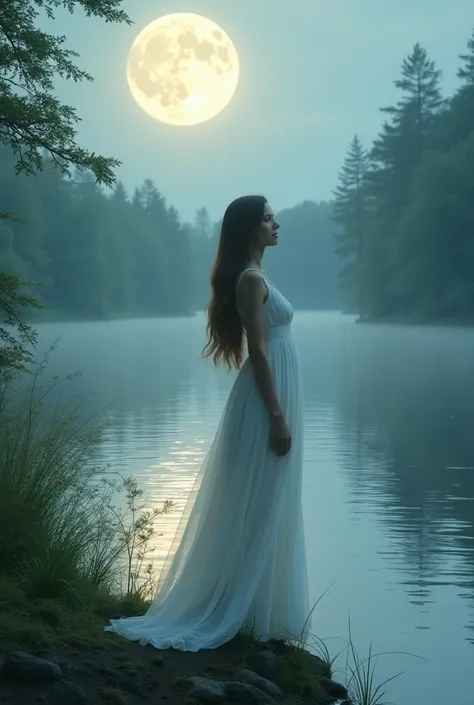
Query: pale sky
pixel 312 74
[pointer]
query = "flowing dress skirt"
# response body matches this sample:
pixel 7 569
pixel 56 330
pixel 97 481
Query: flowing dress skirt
pixel 238 557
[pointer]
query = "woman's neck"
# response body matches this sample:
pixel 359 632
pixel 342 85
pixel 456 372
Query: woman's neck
pixel 255 260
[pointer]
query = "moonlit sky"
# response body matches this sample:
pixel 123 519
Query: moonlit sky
pixel 312 74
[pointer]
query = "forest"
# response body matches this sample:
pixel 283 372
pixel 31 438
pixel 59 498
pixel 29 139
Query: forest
pixel 395 243
pixel 101 253
pixel 405 204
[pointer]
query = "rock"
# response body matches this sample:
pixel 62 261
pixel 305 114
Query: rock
pixel 261 683
pixel 48 655
pixel 245 693
pixel 68 692
pixel 335 690
pixel 20 666
pixel 206 691
pixel 265 664
pixel 65 667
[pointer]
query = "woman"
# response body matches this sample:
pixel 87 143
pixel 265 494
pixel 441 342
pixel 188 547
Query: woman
pixel 238 557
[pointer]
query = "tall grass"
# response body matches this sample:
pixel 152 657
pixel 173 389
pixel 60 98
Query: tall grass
pixel 361 681
pixel 363 686
pixel 60 529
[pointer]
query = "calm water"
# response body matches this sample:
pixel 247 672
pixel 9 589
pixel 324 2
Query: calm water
pixel 389 470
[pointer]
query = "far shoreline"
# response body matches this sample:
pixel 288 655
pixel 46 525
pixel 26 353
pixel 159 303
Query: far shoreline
pixel 45 317
pixel 413 322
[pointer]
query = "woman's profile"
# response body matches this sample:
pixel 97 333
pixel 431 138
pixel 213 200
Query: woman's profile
pixel 239 552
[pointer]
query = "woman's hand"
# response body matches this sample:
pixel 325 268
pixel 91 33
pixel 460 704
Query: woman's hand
pixel 280 437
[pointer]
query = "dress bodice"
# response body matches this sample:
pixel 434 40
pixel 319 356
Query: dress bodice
pixel 277 309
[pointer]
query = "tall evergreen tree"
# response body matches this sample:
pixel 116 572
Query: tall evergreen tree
pixel 351 212
pixel 421 100
pixel 419 249
pixel 394 157
pixel 399 147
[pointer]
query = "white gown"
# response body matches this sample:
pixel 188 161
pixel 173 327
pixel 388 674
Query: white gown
pixel 239 557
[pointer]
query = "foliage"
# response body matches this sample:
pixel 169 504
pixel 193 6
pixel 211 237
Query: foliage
pixel 134 528
pixel 33 120
pixel 43 467
pixel 405 238
pixel 63 530
pixel 15 351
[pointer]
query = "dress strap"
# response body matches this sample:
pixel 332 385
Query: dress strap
pixel 244 271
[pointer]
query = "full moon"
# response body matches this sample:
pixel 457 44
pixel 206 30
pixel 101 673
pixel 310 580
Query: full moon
pixel 182 69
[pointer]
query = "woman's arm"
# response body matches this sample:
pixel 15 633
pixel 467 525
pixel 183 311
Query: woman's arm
pixel 251 296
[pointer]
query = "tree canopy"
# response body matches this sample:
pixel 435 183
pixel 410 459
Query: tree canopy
pixel 33 122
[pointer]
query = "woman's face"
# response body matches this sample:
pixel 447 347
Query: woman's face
pixel 266 235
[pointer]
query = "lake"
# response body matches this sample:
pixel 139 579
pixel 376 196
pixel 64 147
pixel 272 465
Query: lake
pixel 388 477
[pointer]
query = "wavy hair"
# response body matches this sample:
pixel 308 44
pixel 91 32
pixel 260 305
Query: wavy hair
pixel 224 328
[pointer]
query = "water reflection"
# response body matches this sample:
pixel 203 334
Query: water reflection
pixel 410 415
pixel 389 469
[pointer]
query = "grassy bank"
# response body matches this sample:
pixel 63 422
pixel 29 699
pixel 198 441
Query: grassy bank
pixel 108 669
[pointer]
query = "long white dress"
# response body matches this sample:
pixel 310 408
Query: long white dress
pixel 238 557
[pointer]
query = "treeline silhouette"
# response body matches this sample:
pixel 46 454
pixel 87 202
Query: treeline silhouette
pixel 101 254
pixel 405 206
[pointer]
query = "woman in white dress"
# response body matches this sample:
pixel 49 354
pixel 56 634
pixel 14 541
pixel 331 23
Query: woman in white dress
pixel 238 557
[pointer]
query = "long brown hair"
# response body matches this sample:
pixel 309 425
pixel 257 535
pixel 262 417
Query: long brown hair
pixel 224 328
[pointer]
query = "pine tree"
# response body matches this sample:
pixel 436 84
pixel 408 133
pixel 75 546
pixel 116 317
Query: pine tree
pixel 394 157
pixel 399 147
pixel 350 207
pixel 466 72
pixel 351 213
pixel 421 99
